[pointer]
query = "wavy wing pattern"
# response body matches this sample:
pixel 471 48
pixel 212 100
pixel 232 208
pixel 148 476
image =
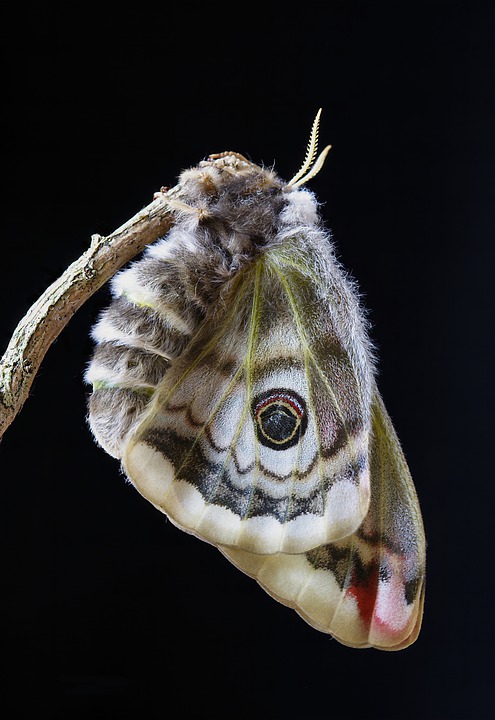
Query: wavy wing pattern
pixel 199 454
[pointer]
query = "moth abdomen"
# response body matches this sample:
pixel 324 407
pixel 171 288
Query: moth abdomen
pixel 123 378
pixel 113 412
pixel 123 366
pixel 148 324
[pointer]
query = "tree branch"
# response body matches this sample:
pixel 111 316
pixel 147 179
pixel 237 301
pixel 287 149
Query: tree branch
pixel 52 311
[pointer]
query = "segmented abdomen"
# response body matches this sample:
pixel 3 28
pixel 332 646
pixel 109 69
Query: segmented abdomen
pixel 149 323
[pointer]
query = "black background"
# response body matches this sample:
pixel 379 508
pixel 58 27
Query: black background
pixel 109 610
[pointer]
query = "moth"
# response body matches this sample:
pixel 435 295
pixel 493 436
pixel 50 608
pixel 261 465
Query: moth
pixel 234 379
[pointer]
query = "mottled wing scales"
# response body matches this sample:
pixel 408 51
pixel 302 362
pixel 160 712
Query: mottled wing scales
pixel 366 590
pixel 204 453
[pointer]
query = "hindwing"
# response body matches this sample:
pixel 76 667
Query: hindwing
pixel 367 589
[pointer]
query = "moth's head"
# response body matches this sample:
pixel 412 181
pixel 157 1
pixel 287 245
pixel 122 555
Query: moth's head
pixel 228 173
pixel 231 172
pixel 226 190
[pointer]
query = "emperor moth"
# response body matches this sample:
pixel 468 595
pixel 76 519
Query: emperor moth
pixel 234 379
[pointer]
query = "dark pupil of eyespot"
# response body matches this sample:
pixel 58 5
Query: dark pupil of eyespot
pixel 278 422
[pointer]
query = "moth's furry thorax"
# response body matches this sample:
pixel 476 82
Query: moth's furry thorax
pixel 240 206
pixel 228 211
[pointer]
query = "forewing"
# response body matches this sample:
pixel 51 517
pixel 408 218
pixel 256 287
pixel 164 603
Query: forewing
pixel 366 590
pixel 258 436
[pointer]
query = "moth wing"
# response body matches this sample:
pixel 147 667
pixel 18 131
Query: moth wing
pixel 199 455
pixel 368 589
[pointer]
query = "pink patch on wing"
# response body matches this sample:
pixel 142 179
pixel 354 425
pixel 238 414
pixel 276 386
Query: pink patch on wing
pixel 392 613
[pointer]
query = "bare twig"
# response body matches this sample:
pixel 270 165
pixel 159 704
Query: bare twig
pixel 52 311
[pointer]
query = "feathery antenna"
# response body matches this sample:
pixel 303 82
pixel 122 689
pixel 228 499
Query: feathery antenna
pixel 308 170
